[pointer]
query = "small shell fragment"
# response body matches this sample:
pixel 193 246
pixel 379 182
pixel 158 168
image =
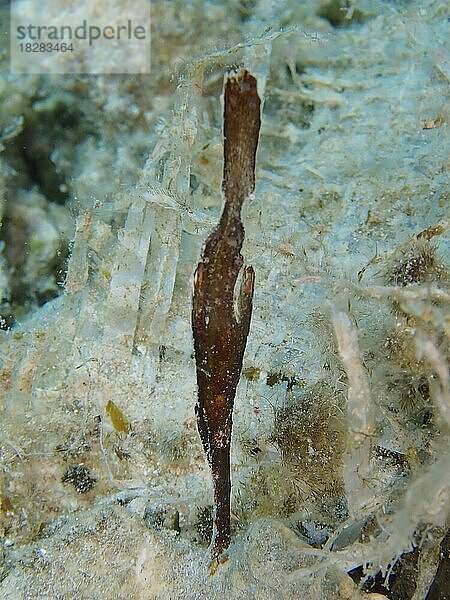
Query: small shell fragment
pixel 118 419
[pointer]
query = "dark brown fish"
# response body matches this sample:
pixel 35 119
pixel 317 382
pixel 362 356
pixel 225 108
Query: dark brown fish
pixel 220 331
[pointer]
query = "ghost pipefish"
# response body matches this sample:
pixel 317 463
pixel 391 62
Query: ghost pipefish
pixel 220 325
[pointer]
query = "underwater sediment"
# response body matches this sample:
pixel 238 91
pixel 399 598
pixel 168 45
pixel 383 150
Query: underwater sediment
pixel 109 187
